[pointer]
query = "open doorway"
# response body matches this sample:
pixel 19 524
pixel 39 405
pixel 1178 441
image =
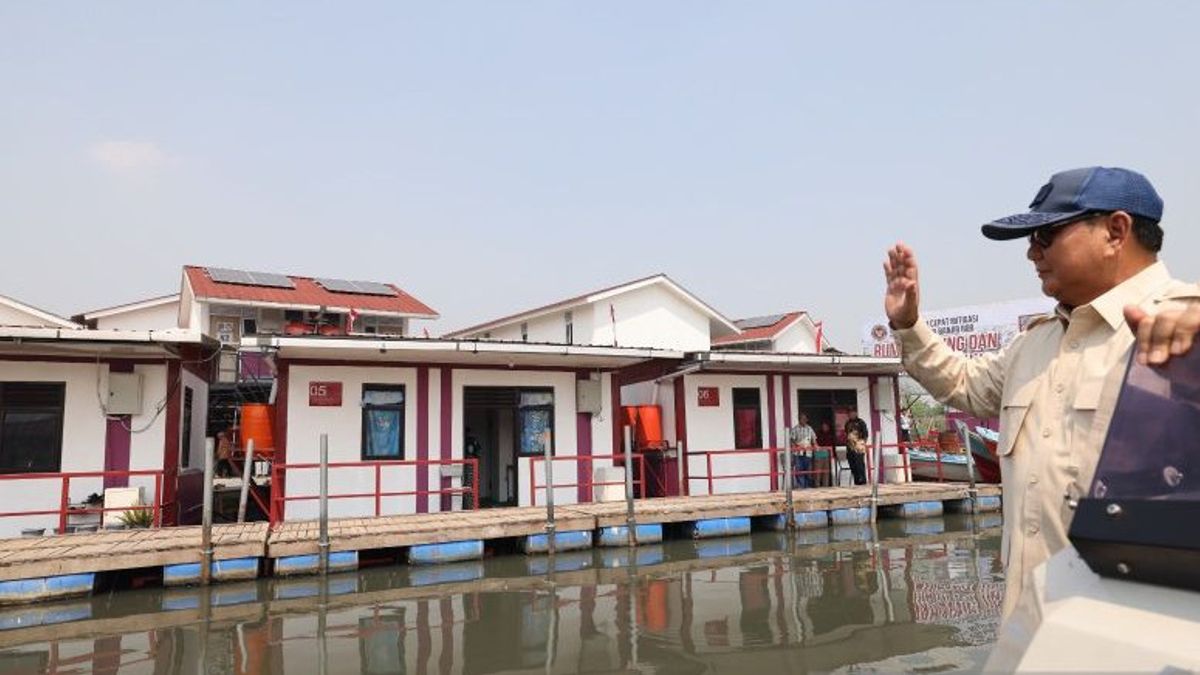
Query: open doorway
pixel 827 410
pixel 501 424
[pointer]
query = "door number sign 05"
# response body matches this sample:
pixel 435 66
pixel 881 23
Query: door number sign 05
pixel 324 394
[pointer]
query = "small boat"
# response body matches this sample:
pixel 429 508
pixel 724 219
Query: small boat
pixel 925 461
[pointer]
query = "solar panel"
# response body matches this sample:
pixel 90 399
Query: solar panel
pixel 759 321
pixel 356 287
pixel 271 279
pixel 228 276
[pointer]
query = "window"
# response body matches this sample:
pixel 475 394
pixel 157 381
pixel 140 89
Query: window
pixel 524 332
pixel 747 418
pixel 185 460
pixel 249 327
pixel 31 426
pixel 535 421
pixel 382 422
pixel 569 320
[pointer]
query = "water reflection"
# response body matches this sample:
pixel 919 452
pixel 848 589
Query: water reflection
pixel 820 601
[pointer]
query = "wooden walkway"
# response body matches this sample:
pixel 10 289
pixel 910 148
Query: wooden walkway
pixel 33 557
pixel 39 557
pixel 358 534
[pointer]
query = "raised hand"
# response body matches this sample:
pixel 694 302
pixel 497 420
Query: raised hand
pixel 903 294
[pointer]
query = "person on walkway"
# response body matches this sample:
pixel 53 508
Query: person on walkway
pixel 802 440
pixel 1093 236
pixel 857 439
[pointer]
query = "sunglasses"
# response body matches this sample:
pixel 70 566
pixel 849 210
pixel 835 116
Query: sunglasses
pixel 1044 237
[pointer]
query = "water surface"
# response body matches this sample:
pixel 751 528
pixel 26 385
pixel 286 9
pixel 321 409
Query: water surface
pixel 924 596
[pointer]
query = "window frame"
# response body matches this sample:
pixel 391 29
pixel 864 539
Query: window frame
pixel 366 408
pixel 549 407
pixel 759 436
pixel 59 412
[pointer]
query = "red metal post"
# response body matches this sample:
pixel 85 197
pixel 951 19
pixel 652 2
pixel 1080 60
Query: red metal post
pixel 276 494
pixel 708 456
pixel 378 498
pixel 475 481
pixel 64 504
pixel 158 481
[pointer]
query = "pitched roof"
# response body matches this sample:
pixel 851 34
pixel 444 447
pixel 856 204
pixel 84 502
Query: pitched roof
pixel 306 293
pixel 43 318
pixel 127 307
pixel 595 296
pixel 755 329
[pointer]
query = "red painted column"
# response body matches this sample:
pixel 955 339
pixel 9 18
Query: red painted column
pixel 446 429
pixel 171 436
pixel 583 449
pixel 787 401
pixel 422 439
pixel 681 430
pixel 282 373
pixel 876 419
pixel 771 411
pixel 117 435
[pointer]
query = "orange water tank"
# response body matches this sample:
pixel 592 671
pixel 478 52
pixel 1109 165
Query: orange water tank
pixel 256 425
pixel 649 428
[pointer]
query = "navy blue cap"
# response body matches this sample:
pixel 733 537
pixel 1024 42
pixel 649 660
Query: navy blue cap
pixel 1071 194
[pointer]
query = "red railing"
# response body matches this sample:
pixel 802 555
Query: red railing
pixel 773 472
pixel 590 483
pixel 278 500
pixel 65 509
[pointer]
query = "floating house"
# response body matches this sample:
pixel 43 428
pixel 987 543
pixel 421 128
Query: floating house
pixel 420 424
pixel 95 421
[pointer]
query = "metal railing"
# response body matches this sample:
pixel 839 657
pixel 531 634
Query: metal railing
pixel 589 483
pixel 279 471
pixel 65 510
pixel 772 473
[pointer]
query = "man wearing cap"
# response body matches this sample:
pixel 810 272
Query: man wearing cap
pixel 1093 237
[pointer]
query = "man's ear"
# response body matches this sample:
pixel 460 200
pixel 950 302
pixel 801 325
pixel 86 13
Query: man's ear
pixel 1119 227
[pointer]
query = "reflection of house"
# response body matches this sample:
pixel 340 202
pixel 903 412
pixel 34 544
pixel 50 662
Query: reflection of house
pixel 74 399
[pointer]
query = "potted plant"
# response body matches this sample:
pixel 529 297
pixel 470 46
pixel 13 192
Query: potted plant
pixel 134 518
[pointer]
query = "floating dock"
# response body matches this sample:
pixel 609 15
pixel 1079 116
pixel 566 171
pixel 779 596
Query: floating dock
pixel 38 568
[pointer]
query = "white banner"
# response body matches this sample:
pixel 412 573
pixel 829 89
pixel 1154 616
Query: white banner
pixel 977 329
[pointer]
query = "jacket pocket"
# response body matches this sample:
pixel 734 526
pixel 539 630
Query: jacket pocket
pixel 1013 407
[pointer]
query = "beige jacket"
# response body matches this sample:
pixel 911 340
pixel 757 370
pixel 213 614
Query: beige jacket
pixel 1054 388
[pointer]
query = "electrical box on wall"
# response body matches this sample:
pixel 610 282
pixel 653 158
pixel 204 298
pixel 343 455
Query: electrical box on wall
pixel 124 394
pixel 587 397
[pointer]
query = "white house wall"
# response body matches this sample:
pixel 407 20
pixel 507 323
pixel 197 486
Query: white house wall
pixel 83 438
pixel 651 316
pixel 11 316
pixel 158 317
pixel 711 428
pixel 343 424
pixel 798 338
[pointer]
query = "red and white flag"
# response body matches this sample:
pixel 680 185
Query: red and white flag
pixel 350 319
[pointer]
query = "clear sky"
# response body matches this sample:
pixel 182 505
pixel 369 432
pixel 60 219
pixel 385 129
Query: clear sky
pixel 493 156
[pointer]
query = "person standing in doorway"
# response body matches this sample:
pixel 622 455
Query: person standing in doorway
pixel 857 438
pixel 802 440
